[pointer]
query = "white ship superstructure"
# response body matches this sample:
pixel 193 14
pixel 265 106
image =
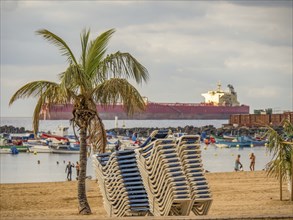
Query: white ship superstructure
pixel 220 97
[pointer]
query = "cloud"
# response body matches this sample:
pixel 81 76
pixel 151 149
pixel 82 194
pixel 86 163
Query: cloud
pixel 187 46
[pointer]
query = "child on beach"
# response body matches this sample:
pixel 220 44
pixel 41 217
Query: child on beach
pixel 238 164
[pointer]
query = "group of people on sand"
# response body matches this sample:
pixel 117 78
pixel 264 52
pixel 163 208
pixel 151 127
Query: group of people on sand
pixel 239 166
pixel 68 169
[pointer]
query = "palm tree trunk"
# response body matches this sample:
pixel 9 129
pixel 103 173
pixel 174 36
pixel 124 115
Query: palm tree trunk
pixel 281 192
pixel 292 176
pixel 84 207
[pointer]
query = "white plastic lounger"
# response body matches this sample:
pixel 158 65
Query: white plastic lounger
pixel 164 177
pixel 121 184
pixel 188 148
pixel 155 162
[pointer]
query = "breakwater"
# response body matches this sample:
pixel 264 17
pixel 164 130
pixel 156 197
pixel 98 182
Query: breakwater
pixel 192 130
pixel 145 131
pixel 13 130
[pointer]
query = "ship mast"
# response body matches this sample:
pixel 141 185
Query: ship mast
pixel 219 86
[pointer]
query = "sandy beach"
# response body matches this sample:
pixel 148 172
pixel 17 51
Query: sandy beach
pixel 235 195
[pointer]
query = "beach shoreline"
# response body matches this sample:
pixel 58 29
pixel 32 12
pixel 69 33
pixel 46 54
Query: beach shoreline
pixel 235 195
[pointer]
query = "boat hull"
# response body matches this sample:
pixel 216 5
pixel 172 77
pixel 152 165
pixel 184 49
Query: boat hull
pixel 241 141
pixel 54 151
pixel 5 151
pixel 71 148
pixel 40 149
pixel 19 148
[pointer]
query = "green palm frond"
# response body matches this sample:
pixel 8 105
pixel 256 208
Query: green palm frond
pixel 73 79
pixel 119 90
pixel 281 150
pixel 288 128
pixel 97 78
pixel 57 41
pixel 124 65
pixel 273 169
pixel 84 38
pixel 96 53
pixel 33 89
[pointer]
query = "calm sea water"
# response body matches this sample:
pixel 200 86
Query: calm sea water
pixel 51 125
pixel 24 167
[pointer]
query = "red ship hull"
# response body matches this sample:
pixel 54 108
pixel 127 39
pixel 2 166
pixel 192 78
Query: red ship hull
pixel 154 111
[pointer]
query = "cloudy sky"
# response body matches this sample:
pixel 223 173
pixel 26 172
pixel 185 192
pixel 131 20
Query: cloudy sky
pixel 187 46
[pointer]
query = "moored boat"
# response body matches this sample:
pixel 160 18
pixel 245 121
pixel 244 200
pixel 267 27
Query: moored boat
pixel 221 145
pixel 71 148
pixel 239 141
pixel 38 146
pixel 5 151
pixel 6 145
pixel 20 148
pixel 11 150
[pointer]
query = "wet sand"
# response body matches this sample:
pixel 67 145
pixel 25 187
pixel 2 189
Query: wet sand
pixel 235 195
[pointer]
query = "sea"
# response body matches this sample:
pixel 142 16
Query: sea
pixel 46 167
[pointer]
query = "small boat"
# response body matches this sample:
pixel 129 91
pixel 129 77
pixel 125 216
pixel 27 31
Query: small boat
pixel 229 137
pixel 51 136
pixel 11 150
pixel 256 142
pixel 38 146
pixel 6 145
pixel 221 145
pixel 237 142
pixel 20 148
pixel 71 148
pixel 5 151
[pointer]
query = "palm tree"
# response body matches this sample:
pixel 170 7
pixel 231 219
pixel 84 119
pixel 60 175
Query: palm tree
pixel 96 78
pixel 281 147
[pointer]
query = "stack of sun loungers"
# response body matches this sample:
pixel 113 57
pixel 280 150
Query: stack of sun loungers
pixel 121 184
pixel 188 148
pixel 164 177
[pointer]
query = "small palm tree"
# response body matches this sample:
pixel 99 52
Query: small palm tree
pixel 95 78
pixel 281 147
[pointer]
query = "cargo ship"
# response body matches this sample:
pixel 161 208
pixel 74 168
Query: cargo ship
pixel 218 104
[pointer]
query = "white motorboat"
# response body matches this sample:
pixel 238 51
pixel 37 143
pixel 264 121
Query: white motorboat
pixel 71 148
pixel 38 146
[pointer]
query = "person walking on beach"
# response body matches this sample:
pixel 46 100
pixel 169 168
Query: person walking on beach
pixel 252 161
pixel 238 164
pixel 77 167
pixel 68 169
